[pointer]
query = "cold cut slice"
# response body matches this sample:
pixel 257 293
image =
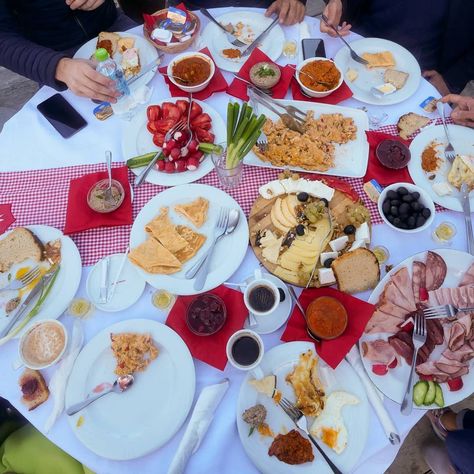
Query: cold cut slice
pixel 418 279
pixel 468 278
pixel 402 281
pixel 436 270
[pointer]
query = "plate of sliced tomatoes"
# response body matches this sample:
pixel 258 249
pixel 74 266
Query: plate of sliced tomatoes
pixel 182 162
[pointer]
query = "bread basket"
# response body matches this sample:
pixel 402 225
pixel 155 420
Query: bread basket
pixel 173 48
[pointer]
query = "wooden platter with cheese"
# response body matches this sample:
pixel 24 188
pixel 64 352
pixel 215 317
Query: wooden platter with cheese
pixel 298 225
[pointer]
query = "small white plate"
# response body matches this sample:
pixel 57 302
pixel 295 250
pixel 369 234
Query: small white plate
pixel 127 292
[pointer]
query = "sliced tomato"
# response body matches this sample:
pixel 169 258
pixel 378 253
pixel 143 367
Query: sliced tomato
pixel 204 135
pixel 163 125
pixel 393 364
pixel 407 326
pixel 182 106
pixel 455 384
pixel 196 109
pixel 153 112
pixel 151 126
pixel 426 377
pixel 158 139
pixel 171 111
pixel 379 369
pixel 423 294
pixel 202 121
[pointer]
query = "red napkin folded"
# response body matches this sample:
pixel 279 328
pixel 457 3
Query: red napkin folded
pixel 377 171
pixel 79 216
pixel 334 98
pixel 210 349
pixel 6 217
pixel 332 352
pixel 239 88
pixel 217 83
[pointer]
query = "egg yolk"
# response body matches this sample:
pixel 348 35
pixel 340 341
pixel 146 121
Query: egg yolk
pixel 330 437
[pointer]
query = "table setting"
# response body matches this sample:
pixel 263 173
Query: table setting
pixel 235 273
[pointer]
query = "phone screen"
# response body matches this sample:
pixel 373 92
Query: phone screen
pixel 313 47
pixel 62 115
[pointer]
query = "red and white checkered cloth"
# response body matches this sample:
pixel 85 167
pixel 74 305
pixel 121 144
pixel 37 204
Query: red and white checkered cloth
pixel 40 197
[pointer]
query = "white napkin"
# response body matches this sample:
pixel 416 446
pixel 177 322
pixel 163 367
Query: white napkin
pixel 57 385
pixel 303 33
pixel 353 357
pixel 201 418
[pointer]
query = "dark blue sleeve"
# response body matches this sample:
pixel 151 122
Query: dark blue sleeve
pixel 24 57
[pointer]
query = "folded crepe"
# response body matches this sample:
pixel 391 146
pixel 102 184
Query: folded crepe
pixel 195 242
pixel 162 229
pixel 154 258
pixel 382 59
pixel 195 211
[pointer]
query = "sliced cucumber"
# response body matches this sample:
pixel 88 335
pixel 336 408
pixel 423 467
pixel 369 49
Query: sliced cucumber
pixel 141 160
pixel 419 392
pixel 439 399
pixel 430 394
pixel 209 148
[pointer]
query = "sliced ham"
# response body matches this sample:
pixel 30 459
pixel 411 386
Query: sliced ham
pixel 460 297
pixel 436 270
pixel 449 366
pixel 383 322
pixel 402 281
pixel 418 279
pixel 468 278
pixel 456 336
pixel 392 309
pixel 435 331
pixel 462 371
pixel 378 352
pixel 403 345
pixel 391 294
pixel 463 354
pixel 429 369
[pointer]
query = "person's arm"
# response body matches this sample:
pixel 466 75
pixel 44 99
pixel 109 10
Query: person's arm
pixel 458 74
pixel 463 109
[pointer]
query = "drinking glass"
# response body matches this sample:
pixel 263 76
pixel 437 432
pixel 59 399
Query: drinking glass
pixel 228 177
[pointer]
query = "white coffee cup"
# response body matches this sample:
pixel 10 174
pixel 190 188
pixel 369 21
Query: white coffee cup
pixel 260 280
pixel 230 344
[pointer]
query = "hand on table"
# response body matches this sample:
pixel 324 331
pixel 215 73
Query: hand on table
pixel 436 80
pixel 463 114
pixel 333 12
pixel 87 5
pixel 81 78
pixel 289 11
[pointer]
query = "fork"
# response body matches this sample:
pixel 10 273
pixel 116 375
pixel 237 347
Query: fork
pixel 292 110
pixel 419 339
pixel 297 417
pixel 230 36
pixel 449 152
pixel 354 55
pixel 26 279
pixel 445 311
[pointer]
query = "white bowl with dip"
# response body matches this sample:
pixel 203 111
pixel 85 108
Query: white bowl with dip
pixel 311 92
pixel 43 344
pixel 197 87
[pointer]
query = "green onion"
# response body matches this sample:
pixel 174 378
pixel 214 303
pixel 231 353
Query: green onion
pixel 209 148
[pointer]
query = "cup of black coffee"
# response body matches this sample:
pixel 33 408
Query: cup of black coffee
pixel 245 349
pixel 261 296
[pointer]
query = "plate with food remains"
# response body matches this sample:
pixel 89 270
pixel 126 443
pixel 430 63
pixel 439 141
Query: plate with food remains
pixel 246 26
pixel 145 134
pixel 297 224
pixel 392 75
pixel 443 373
pixel 334 141
pixel 431 171
pixel 129 51
pixel 144 417
pixel 176 227
pixel 334 402
pixel 24 248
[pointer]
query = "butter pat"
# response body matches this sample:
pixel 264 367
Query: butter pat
pixel 352 75
pixel 326 255
pixel 160 34
pixel 338 244
pixel 386 88
pixel 326 276
pixel 363 233
pixel 442 189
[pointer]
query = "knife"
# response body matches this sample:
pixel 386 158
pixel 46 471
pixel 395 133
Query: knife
pixel 145 70
pixel 303 313
pixel 259 38
pixel 104 277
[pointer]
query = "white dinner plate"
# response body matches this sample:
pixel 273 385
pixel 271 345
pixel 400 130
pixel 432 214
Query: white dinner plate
pixel 144 417
pixel 216 40
pixel 393 383
pixel 350 159
pixel 280 361
pixel 228 252
pixel 137 140
pixel 462 139
pixel 367 78
pixel 65 286
pixel 146 52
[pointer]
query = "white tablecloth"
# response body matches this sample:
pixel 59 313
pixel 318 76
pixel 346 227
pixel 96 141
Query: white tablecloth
pixel 28 142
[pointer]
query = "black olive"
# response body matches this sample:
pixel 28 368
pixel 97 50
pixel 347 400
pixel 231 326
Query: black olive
pixel 407 198
pixel 386 206
pixel 300 229
pixel 402 191
pixel 426 213
pixel 420 220
pixel 394 211
pixel 302 197
pixel 415 205
pixel 395 202
pixel 282 295
pixel 328 262
pixel 390 219
pixel 404 218
pixel 403 225
pixel 349 229
pixel 415 194
pixel 404 209
pixel 392 194
pixel 397 221
pixel 411 222
pixel 325 201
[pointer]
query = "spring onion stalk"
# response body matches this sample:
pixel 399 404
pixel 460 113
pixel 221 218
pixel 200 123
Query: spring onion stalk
pixel 208 148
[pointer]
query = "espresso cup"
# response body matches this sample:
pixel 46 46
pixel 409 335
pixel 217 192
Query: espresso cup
pixel 245 349
pixel 261 281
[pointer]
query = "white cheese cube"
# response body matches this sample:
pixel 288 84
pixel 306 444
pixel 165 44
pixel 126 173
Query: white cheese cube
pixel 363 233
pixel 326 276
pixel 386 88
pixel 442 189
pixel 326 255
pixel 357 244
pixel 352 75
pixel 338 244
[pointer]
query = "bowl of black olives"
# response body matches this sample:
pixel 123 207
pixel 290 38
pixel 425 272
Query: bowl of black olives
pixel 406 207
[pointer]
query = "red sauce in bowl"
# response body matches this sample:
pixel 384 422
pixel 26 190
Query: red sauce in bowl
pixel 206 315
pixel 326 317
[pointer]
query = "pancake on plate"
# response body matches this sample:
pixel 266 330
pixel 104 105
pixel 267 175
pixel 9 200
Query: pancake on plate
pixel 195 211
pixel 153 257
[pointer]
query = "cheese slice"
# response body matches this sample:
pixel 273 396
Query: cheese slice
pixel 338 244
pixel 442 189
pixel 357 244
pixel 326 276
pixel 363 233
pixel 327 255
pixel 352 75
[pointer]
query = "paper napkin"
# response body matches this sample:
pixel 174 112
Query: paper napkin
pixel 334 98
pixel 6 217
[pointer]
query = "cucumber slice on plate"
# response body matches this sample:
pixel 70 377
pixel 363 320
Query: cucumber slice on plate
pixel 419 392
pixel 430 394
pixel 439 398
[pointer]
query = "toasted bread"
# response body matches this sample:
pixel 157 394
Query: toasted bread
pixel 108 41
pixel 409 123
pixel 18 246
pixel 396 78
pixel 34 388
pixel 382 59
pixel 125 43
pixel 356 271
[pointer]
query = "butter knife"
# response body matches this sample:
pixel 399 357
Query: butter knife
pixel 145 70
pixel 259 38
pixel 104 278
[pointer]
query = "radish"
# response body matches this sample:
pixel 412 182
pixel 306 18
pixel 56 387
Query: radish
pixel 169 167
pixel 379 369
pixel 180 165
pixel 161 165
pixel 193 146
pixel 178 136
pixel 175 154
pixel 192 164
pixel 166 151
pixel 184 151
pixel 455 384
pixel 393 364
pixel 170 144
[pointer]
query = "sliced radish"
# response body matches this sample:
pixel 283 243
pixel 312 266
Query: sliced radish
pixel 407 325
pixel 393 364
pixel 379 369
pixel 169 167
pixel 175 154
pixel 161 165
pixel 170 144
pixel 192 164
pixel 184 151
pixel 426 377
pixel 166 151
pixel 180 166
pixel 193 146
pixel 455 384
pixel 423 294
pixel 178 136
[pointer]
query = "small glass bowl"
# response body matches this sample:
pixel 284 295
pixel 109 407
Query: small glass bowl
pixel 101 186
pixel 196 319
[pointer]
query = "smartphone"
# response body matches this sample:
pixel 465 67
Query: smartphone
pixel 313 47
pixel 62 115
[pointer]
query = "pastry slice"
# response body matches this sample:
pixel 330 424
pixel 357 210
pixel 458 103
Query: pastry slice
pixel 33 388
pixel 382 59
pixel 162 229
pixel 195 211
pixel 130 62
pixel 154 258
pixel 125 43
pixel 108 41
pixel 195 242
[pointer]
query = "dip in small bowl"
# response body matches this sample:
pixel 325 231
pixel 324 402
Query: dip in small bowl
pixel 393 154
pixel 326 318
pixel 264 75
pixel 191 72
pixel 206 315
pixel 96 196
pixel 318 77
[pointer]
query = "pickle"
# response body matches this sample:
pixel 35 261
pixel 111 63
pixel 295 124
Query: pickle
pixel 142 160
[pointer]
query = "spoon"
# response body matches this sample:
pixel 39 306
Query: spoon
pixel 120 385
pixel 176 78
pixel 108 191
pixel 298 305
pixel 327 84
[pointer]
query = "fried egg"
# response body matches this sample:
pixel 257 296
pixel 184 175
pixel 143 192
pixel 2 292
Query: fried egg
pixel 329 426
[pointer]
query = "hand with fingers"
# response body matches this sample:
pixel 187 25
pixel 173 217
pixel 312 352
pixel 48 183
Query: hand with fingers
pixel 333 12
pixel 87 5
pixel 289 11
pixel 83 80
pixel 463 113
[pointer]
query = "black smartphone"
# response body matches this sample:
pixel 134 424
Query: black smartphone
pixel 313 47
pixel 62 115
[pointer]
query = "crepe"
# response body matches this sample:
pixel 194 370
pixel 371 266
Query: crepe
pixel 195 242
pixel 382 59
pixel 154 258
pixel 195 211
pixel 162 229
pixel 125 43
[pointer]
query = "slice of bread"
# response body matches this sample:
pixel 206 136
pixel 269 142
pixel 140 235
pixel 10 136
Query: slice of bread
pixel 34 389
pixel 408 124
pixel 396 78
pixel 18 246
pixel 356 271
pixel 108 41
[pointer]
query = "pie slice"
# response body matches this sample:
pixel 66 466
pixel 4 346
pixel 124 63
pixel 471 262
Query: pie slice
pixel 382 59
pixel 108 41
pixel 195 211
pixel 162 229
pixel 195 242
pixel 154 258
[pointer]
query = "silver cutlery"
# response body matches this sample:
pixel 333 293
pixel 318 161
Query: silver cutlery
pixel 466 207
pixel 262 143
pixel 229 35
pixel 253 86
pixel 122 383
pixel 108 191
pixel 185 81
pixel 292 110
pixel 104 280
pixel 449 152
pixel 327 84
pixel 297 417
pixel 19 283
pixel 445 311
pixel 419 339
pixel 146 69
pixel 302 311
pixel 354 55
pixel 117 276
pixel 259 38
